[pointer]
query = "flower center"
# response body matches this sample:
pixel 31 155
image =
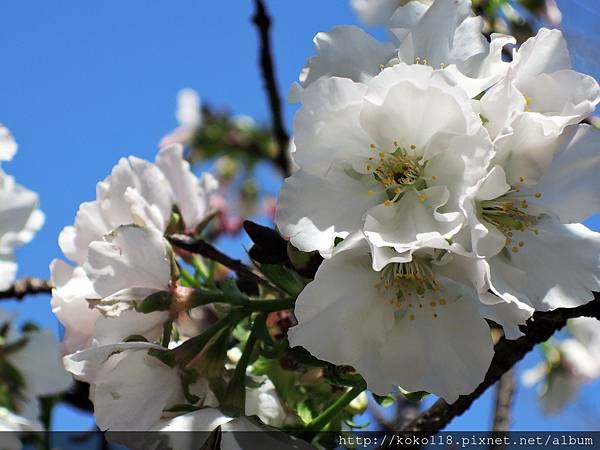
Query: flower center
pixel 398 172
pixel 508 213
pixel 408 285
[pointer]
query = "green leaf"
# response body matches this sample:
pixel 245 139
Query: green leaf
pixel 384 400
pixel 164 356
pixel 284 278
pixel 234 295
pixel 304 413
pixel 159 301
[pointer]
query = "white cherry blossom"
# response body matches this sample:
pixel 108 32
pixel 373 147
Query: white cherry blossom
pixel 144 193
pixel 541 66
pixel 391 157
pixel 525 211
pixel 20 217
pixel 568 365
pixel 413 323
pixel 443 34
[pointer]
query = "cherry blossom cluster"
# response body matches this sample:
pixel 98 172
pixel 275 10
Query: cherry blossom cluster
pixel 20 217
pixel 132 329
pixel 442 177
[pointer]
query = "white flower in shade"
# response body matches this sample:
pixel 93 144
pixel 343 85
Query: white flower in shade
pixel 140 192
pixel 567 366
pixel 540 83
pixel 34 354
pixel 417 322
pixel 444 35
pixel 130 388
pixel 526 211
pixel 392 157
pixel 249 433
pixel 263 401
pixel 20 217
pixel 379 12
pixel 11 425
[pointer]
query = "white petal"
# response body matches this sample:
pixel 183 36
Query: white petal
pixel 570 270
pixel 327 127
pixel 21 218
pixel 129 257
pixel 346 51
pixel 312 210
pixel 8 146
pixel 407 222
pixel 264 402
pixel 343 301
pixel 71 290
pixel 447 354
pixel 545 52
pixel 121 377
pixel 191 195
pixel 570 186
pixel 526 152
pixel 411 115
pixel 39 363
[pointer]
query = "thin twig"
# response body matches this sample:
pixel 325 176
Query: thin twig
pixel 262 20
pixel 26 286
pixel 203 248
pixel 538 329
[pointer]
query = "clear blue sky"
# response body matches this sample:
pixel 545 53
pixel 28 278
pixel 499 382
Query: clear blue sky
pixel 85 83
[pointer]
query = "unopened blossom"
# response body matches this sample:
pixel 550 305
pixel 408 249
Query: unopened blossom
pixel 567 365
pixel 20 217
pixel 392 157
pixel 445 36
pixel 527 210
pixel 35 357
pixel 417 322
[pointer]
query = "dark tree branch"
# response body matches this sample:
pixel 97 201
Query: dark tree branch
pixel 203 248
pixel 262 20
pixel 505 392
pixel 538 329
pixel 26 286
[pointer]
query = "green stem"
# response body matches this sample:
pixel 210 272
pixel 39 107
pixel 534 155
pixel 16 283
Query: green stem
pixel 271 305
pixel 187 277
pixel 323 419
pixel 200 267
pixel 187 351
pixel 236 390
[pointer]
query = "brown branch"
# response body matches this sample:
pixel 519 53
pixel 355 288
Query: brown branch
pixel 26 286
pixel 262 20
pixel 203 248
pixel 538 329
